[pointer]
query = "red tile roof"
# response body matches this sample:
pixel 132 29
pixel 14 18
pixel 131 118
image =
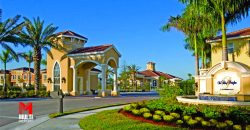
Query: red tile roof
pixel 71 33
pixel 242 32
pixel 90 49
pixel 150 73
pixel 167 76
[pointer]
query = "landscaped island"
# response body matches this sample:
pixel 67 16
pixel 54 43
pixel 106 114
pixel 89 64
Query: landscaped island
pixel 166 112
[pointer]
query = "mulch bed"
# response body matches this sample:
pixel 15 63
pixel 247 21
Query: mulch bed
pixel 142 119
pixel 161 123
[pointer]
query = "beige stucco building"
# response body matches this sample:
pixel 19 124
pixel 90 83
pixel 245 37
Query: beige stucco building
pixel 229 78
pixel 7 77
pixel 20 77
pixel 74 70
pixel 152 76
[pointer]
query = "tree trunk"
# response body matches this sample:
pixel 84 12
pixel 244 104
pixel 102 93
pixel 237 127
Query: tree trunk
pixel 224 38
pixel 29 76
pixel 233 57
pixel 205 59
pixel 202 59
pixel 37 63
pixel 4 82
pixel 196 57
pixel 134 84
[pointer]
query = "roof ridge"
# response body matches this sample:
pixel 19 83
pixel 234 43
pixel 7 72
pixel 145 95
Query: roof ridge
pixel 244 29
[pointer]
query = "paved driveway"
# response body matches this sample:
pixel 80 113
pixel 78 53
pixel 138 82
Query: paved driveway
pixel 9 109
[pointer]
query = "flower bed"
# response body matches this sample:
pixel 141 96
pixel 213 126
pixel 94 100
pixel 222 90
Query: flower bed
pixel 191 116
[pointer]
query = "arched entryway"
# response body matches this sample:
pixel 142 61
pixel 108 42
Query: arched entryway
pixel 85 59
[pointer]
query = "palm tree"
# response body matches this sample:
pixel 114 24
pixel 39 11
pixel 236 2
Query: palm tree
pixel 161 81
pixel 109 72
pixel 5 58
pixel 29 58
pixel 8 32
pixel 44 62
pixel 133 69
pixel 196 26
pixel 39 37
pixel 124 76
pixel 231 11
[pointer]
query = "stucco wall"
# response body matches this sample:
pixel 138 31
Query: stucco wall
pixel 64 69
pixel 242 57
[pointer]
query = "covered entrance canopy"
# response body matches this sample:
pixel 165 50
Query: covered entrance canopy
pixel 83 60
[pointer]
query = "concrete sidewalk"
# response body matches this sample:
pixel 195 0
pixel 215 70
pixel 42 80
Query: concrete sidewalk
pixel 61 123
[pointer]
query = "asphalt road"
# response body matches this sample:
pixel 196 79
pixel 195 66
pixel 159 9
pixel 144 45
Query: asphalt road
pixel 9 109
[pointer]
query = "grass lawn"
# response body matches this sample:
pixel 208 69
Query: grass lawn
pixel 112 120
pixel 55 115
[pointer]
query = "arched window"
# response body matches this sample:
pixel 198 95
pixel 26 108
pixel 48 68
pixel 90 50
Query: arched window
pixel 56 77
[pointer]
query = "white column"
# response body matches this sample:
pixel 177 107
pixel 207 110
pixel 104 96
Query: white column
pixel 115 80
pixel 88 82
pixel 104 66
pixel 75 79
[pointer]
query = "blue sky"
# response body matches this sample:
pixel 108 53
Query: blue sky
pixel 133 26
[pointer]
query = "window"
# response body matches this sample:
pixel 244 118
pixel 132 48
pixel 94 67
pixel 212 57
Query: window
pixel 56 77
pixel 230 47
pixel 13 76
pixel 24 76
pixel 72 39
pixel 154 83
pixel 44 78
pixel 19 77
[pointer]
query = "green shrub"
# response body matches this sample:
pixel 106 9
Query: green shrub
pixel 169 92
pixel 211 112
pixel 173 107
pixel 205 123
pixel 141 104
pixel 237 127
pixel 31 93
pixel 247 127
pixel 156 104
pixel 147 115
pixel 192 122
pixel 229 122
pixel 199 119
pixel 28 88
pixel 159 112
pixel 157 118
pixel 221 125
pixel 47 94
pixel 144 110
pixel 168 118
pixel 1 93
pixel 179 122
pixel 127 108
pixel 134 105
pixel 136 112
pixel 213 122
pixel 186 118
pixel 239 114
pixel 189 110
pixel 176 115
